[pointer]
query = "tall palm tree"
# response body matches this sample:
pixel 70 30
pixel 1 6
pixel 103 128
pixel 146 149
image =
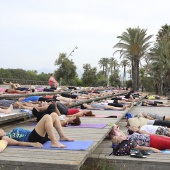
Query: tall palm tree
pixel 111 63
pixel 133 45
pixel 129 71
pixel 103 62
pixel 124 64
pixel 160 58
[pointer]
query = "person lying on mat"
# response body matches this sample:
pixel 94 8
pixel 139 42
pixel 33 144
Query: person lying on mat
pixel 149 129
pixel 43 131
pixel 140 121
pixel 153 116
pixel 6 111
pixel 140 142
pixel 117 103
pixel 16 91
pixel 100 106
pixel 17 86
pixel 48 108
pixel 39 99
pixel 154 103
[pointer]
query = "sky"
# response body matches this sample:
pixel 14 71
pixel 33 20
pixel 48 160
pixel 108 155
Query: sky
pixel 34 32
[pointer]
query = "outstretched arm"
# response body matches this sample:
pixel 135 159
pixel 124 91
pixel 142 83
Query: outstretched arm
pixel 147 148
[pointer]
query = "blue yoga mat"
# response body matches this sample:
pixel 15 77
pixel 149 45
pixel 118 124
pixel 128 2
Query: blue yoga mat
pixel 167 151
pixel 71 145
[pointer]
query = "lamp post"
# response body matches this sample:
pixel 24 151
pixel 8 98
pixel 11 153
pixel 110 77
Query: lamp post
pixel 72 51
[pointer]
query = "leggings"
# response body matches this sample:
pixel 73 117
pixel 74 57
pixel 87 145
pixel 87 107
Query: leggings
pixel 162 123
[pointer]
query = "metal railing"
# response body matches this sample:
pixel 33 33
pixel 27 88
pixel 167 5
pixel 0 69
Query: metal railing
pixel 23 81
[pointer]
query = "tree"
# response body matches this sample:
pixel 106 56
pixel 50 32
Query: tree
pixel 89 77
pixel 124 64
pixel 103 62
pixel 160 59
pixel 133 45
pixel 66 69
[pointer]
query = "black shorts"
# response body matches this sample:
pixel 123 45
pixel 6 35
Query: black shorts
pixel 115 104
pixel 35 137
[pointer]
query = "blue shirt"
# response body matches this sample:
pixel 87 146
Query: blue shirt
pixel 19 134
pixel 32 98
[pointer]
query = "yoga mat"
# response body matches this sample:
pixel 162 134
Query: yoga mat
pixel 32 124
pixel 5 115
pixel 166 151
pixel 89 125
pixel 71 145
pixel 107 116
pixel 82 125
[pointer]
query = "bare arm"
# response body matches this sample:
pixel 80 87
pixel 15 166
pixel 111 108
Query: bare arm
pixel 147 148
pixel 144 132
pixel 20 143
pixel 57 111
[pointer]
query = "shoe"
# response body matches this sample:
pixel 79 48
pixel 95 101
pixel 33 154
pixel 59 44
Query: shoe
pixel 137 155
pixel 145 152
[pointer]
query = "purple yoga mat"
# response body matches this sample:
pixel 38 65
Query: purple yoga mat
pixel 73 145
pixel 88 125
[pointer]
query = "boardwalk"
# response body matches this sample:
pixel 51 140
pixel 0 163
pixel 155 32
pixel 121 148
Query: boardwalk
pixel 36 159
pixel 156 161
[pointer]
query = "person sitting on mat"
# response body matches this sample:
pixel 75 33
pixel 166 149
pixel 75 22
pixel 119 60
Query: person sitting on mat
pixel 43 131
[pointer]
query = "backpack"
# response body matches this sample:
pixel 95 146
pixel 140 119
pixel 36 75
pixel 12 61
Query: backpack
pixel 119 149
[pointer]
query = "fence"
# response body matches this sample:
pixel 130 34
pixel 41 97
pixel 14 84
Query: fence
pixel 23 81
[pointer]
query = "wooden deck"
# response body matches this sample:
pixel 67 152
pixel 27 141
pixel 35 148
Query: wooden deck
pixel 42 159
pixel 156 161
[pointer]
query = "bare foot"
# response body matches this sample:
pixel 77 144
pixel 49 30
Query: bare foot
pixel 57 145
pixel 7 111
pixel 64 138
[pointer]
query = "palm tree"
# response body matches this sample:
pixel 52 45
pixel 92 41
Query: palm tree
pixel 160 59
pixel 103 62
pixel 133 46
pixel 112 64
pixel 124 64
pixel 129 71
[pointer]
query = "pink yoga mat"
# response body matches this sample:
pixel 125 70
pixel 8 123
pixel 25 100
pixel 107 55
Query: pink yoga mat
pixel 89 125
pixel 107 116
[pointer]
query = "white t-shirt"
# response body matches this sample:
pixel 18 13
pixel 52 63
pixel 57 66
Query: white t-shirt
pixel 110 101
pixel 149 128
pixel 150 122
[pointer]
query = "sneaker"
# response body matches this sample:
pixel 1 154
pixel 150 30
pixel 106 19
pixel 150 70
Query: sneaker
pixel 145 152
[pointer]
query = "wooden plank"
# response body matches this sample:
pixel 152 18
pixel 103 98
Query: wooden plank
pixel 155 161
